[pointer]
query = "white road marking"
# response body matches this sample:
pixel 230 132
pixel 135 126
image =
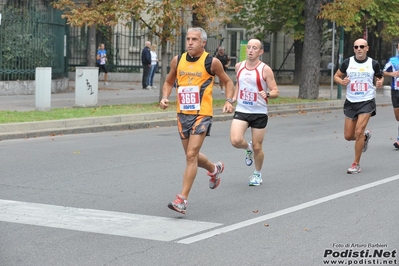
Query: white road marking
pixel 102 222
pixel 269 216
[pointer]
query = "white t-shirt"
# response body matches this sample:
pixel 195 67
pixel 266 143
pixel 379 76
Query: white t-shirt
pixel 153 58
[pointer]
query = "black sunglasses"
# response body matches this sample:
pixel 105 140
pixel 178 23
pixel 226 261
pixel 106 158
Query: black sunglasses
pixel 360 46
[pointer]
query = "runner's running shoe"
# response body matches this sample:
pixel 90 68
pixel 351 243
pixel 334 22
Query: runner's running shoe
pixel 396 144
pixel 354 169
pixel 179 204
pixel 214 181
pixel 255 179
pixel 367 133
pixel 249 155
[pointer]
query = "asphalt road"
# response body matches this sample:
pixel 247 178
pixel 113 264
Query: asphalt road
pixel 101 198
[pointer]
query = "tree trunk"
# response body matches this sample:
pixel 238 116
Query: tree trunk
pixel 298 47
pixel 164 64
pixel 91 58
pixel 91 46
pixel 309 85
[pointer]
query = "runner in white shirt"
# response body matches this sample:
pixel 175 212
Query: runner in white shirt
pixel 255 84
pixel 358 73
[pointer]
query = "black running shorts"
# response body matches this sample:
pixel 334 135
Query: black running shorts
pixel 193 125
pixel 254 120
pixel 352 110
pixel 395 98
pixel 102 68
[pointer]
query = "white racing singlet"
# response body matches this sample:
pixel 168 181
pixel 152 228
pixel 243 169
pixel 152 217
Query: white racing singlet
pixel 361 76
pixel 249 83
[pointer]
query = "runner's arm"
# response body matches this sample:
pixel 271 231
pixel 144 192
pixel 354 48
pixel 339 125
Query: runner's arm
pixel 237 66
pixel 268 75
pixel 168 84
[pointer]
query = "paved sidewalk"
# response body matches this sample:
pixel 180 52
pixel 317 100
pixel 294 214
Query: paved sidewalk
pixel 130 92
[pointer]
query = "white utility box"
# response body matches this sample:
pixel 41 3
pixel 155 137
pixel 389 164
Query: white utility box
pixel 86 87
pixel 43 88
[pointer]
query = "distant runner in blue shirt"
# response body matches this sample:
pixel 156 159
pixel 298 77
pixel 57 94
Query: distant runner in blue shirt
pixel 101 62
pixel 391 69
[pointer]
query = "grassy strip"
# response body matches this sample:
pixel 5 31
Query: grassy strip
pixel 106 110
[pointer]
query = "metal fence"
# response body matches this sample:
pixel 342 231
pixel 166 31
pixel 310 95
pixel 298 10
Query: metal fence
pixel 31 35
pixel 123 45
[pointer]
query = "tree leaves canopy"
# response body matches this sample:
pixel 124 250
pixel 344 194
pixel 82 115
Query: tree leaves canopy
pixel 356 15
pixel 267 16
pixel 162 17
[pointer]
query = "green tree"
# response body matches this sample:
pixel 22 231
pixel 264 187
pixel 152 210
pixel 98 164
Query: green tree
pixel 304 20
pixel 379 17
pixel 162 18
pixel 298 18
pixel 265 17
pixel 356 15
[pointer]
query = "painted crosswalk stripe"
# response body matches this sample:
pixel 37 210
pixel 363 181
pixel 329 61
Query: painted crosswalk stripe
pixel 99 221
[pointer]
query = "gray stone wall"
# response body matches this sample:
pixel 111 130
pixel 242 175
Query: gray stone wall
pixel 27 87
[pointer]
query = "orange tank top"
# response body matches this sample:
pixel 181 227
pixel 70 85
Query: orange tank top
pixel 194 86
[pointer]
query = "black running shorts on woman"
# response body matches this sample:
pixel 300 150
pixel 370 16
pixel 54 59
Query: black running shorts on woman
pixel 352 110
pixel 254 120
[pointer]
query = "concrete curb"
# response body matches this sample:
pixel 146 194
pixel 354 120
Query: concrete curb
pixel 136 121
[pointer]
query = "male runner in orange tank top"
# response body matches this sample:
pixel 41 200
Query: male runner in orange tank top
pixel 194 73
